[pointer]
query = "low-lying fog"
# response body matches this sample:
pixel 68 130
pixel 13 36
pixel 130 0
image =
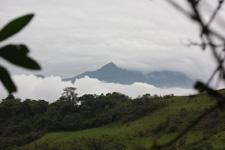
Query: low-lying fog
pixel 51 88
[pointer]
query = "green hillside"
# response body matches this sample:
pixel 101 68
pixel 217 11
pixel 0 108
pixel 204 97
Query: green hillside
pixel 159 126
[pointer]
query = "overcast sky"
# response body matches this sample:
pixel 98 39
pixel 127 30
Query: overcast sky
pixel 73 36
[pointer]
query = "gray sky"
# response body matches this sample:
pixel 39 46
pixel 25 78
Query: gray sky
pixel 73 36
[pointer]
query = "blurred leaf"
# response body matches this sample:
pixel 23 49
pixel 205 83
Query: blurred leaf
pixel 6 80
pixel 17 54
pixel 15 26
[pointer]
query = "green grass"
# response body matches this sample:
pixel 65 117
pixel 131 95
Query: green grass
pixel 218 140
pixel 139 134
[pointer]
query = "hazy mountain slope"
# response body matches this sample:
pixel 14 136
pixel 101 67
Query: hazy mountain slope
pixel 40 76
pixel 111 73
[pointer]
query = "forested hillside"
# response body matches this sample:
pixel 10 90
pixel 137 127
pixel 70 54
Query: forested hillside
pixel 22 122
pixel 111 121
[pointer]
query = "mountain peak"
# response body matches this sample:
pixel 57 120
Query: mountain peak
pixel 109 65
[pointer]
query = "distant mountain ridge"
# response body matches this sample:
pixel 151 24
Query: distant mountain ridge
pixel 40 76
pixel 113 74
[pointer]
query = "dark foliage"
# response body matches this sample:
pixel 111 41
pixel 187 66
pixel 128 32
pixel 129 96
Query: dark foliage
pixel 15 54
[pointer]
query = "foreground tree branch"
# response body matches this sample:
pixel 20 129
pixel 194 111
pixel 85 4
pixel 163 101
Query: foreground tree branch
pixel 208 36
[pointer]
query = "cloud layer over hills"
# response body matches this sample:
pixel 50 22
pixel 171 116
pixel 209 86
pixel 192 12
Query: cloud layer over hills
pixel 50 88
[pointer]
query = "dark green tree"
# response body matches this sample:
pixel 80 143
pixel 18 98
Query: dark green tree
pixel 69 95
pixel 10 97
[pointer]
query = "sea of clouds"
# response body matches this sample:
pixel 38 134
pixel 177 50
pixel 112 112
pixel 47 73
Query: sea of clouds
pixel 51 88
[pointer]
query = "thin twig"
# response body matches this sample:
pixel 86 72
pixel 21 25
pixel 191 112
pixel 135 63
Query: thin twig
pixel 178 7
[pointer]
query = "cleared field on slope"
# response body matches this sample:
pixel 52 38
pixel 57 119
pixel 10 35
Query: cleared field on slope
pixel 161 125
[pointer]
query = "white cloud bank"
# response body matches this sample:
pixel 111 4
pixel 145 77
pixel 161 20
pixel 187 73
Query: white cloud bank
pixel 50 88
